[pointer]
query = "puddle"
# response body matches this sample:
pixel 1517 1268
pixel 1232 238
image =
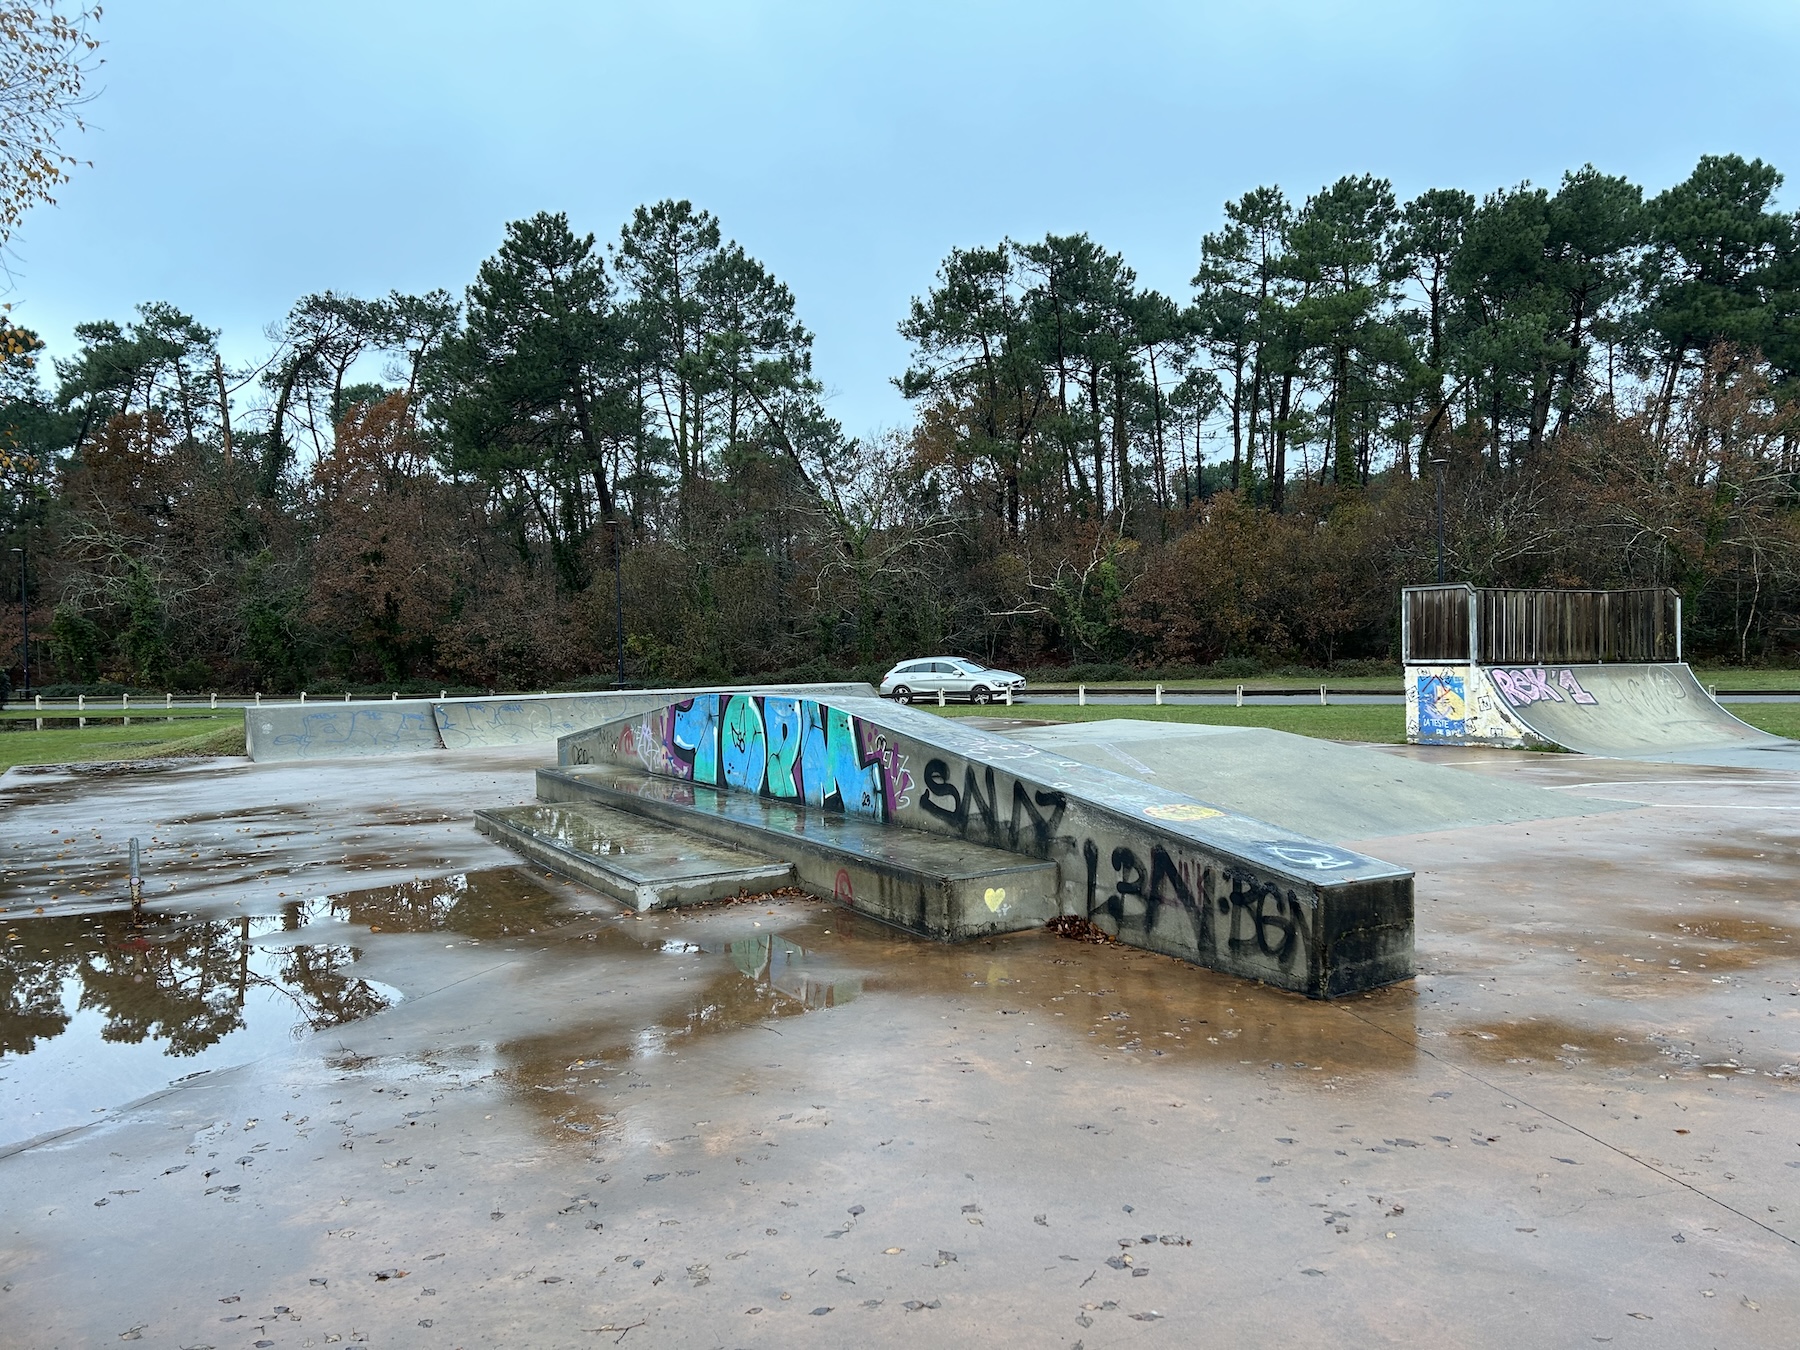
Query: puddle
pixel 1069 1003
pixel 1540 1044
pixel 579 1075
pixel 491 904
pixel 1548 1043
pixel 97 1010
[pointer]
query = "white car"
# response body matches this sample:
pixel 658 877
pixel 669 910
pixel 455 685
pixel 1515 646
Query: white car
pixel 953 676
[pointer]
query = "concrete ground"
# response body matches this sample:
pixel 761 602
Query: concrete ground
pixel 450 1102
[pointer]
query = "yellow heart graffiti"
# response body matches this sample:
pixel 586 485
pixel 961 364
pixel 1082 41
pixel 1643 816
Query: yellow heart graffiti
pixel 995 897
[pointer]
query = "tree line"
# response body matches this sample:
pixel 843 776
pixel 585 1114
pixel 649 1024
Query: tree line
pixel 479 490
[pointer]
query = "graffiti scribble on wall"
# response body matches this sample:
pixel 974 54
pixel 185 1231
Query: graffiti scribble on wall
pixel 790 748
pixel 1523 687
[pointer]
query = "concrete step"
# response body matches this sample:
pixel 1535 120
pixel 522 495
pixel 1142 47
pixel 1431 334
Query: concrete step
pixel 940 887
pixel 629 857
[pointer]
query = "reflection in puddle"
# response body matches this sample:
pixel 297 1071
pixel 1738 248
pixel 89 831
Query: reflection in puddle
pixel 183 983
pixel 94 1008
pixel 502 903
pixel 782 966
pixel 97 1010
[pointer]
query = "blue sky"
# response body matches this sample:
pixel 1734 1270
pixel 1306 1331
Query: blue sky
pixel 244 154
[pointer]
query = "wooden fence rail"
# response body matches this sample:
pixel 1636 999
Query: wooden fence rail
pixel 1520 627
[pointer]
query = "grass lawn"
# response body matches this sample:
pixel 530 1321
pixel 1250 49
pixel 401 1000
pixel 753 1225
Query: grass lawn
pixel 1728 678
pixel 1349 684
pixel 1779 719
pixel 217 734
pixel 1756 680
pixel 1355 722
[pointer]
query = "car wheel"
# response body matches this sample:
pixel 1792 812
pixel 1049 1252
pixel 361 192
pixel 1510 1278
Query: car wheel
pixel 980 694
pixel 902 694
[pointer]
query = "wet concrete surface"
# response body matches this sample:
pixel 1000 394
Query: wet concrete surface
pixel 775 1123
pixel 245 833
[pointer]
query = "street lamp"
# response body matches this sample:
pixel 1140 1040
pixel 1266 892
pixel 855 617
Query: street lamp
pixel 1439 464
pixel 24 623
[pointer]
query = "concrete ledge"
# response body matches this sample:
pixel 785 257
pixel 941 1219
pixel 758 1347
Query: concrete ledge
pixel 701 874
pixel 914 881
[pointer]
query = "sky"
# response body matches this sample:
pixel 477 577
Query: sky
pixel 243 155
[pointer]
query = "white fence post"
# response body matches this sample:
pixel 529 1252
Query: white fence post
pixel 81 702
pixel 303 695
pixel 1240 701
pixel 1081 694
pixel 940 698
pixel 168 700
pixel 1159 696
pixel 1321 696
pixel 1008 693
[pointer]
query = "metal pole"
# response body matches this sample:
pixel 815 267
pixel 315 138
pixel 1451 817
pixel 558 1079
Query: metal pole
pixel 137 881
pixel 1438 464
pixel 619 602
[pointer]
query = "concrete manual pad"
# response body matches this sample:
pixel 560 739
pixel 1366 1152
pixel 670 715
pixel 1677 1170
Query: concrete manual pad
pixel 1326 789
pixel 924 883
pixel 775 1124
pixel 644 865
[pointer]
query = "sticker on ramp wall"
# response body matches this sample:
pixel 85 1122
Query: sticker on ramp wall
pixel 1183 811
pixel 1315 856
pixel 1525 686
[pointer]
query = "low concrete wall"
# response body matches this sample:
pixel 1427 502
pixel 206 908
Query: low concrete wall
pixel 1161 870
pixel 287 731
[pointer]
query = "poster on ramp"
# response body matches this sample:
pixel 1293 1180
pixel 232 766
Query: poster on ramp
pixel 1443 706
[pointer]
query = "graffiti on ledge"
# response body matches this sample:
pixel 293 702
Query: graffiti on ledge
pixel 792 749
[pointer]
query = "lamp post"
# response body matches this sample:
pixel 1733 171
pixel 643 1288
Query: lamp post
pixel 1439 464
pixel 24 623
pixel 619 600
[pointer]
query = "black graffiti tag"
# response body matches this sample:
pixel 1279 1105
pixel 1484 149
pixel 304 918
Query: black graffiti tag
pixel 976 803
pixel 1162 885
pixel 1275 921
pixel 1043 828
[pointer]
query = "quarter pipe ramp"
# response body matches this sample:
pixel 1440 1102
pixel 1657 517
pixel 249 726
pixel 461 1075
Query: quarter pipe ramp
pixel 1625 711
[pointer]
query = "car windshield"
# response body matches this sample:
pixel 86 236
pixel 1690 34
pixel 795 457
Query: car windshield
pixel 972 667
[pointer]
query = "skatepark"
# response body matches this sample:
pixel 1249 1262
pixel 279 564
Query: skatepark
pixel 731 1016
